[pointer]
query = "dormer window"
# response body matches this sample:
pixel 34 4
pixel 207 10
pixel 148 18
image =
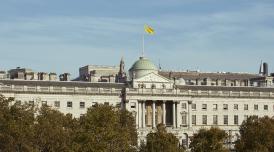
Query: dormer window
pixel 164 86
pixel 143 85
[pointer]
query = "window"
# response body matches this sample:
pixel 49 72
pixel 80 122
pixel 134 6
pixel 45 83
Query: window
pixel 44 103
pixel 204 119
pixel 235 106
pixel 106 103
pixel 245 117
pixel 94 104
pixel 132 105
pixel 184 119
pixel 82 104
pixel 236 119
pixel 225 119
pixel 31 103
pixel 18 102
pixel 245 106
pixel 183 105
pixel 193 119
pixel 204 106
pixel 265 107
pixel 256 107
pixel 118 105
pixel 215 106
pixel 57 104
pixel 193 106
pixel 225 106
pixel 215 120
pixel 69 104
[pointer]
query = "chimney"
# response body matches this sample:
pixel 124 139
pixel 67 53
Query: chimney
pixel 265 69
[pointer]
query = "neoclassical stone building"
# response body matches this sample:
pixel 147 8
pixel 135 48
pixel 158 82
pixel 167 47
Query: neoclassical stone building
pixel 153 97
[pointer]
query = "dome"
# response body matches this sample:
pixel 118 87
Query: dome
pixel 142 67
pixel 143 64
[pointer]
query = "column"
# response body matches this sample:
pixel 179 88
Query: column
pixel 189 114
pixel 174 116
pixel 139 114
pixel 144 114
pixel 164 113
pixel 153 114
pixel 179 118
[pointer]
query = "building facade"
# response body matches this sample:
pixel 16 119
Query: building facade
pixel 156 97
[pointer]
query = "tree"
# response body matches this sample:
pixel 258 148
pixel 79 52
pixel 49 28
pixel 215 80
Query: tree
pixel 53 130
pixel 256 135
pixel 27 128
pixel 209 140
pixel 161 141
pixel 105 129
pixel 16 126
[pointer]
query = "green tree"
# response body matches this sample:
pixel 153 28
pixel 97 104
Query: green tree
pixel 16 126
pixel 209 140
pixel 53 130
pixel 161 141
pixel 256 135
pixel 105 129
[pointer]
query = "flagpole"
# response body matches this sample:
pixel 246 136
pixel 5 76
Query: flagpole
pixel 143 51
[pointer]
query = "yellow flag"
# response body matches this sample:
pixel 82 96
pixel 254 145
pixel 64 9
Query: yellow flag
pixel 149 30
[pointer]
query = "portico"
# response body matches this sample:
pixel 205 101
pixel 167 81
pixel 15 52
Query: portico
pixel 154 112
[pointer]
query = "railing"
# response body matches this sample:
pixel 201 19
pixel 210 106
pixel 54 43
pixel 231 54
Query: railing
pixel 140 91
pixel 51 89
pixel 208 93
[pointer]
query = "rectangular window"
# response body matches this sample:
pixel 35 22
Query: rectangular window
pixel 57 104
pixel 235 106
pixel 118 105
pixel 225 119
pixel 193 106
pixel 245 106
pixel 265 107
pixel 225 106
pixel 245 117
pixel 204 106
pixel 236 119
pixel 69 104
pixel 215 120
pixel 183 105
pixel 44 103
pixel 256 107
pixel 194 119
pixel 204 119
pixel 94 104
pixel 18 102
pixel 132 105
pixel 184 119
pixel 215 106
pixel 82 104
pixel 31 103
pixel 106 103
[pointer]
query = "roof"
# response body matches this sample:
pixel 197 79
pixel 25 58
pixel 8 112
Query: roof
pixel 214 76
pixel 143 64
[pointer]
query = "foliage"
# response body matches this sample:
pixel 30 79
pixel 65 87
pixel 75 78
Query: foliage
pixel 25 128
pixel 208 140
pixel 16 126
pixel 105 129
pixel 161 141
pixel 53 130
pixel 256 135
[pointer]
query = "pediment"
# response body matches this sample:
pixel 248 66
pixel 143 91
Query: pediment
pixel 153 77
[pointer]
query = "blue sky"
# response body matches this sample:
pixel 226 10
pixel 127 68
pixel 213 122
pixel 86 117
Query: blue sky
pixel 210 35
